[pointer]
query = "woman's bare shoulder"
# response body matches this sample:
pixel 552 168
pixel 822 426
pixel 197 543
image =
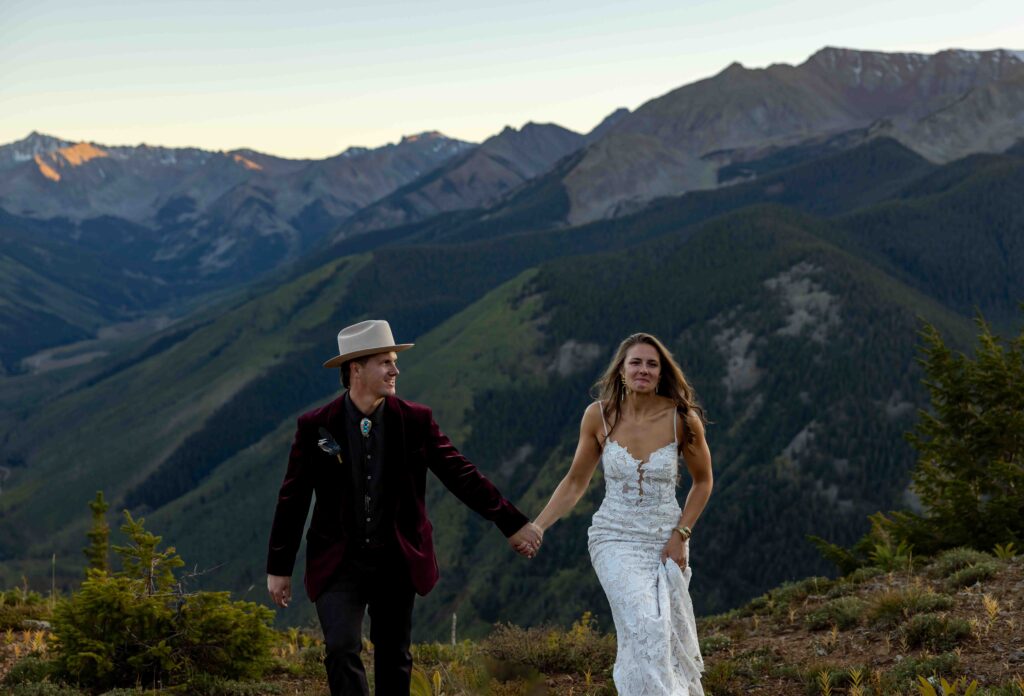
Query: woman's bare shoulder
pixel 593 411
pixel 693 421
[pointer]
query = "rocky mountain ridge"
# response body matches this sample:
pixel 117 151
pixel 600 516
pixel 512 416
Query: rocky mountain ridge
pixel 478 179
pixel 679 141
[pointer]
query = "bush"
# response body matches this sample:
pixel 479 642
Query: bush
pixel 972 574
pixel 551 650
pixel 139 627
pixel 44 689
pixel 844 613
pixel 888 609
pixel 14 616
pixel 712 644
pixel 20 597
pixel 112 633
pixel 935 632
pixel 905 673
pixel 777 601
pixel 207 685
pixel 30 670
pixel 948 562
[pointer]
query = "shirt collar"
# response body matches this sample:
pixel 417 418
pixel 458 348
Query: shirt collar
pixel 355 415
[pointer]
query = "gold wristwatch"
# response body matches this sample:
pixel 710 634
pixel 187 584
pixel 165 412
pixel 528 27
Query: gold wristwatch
pixel 684 532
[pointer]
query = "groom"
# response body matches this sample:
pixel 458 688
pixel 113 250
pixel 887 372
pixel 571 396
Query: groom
pixel 366 456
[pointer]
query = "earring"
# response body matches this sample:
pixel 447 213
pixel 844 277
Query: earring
pixel 625 388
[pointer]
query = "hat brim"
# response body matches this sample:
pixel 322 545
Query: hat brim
pixel 339 360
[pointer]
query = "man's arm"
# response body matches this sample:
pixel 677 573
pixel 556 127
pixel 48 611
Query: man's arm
pixel 289 518
pixel 475 490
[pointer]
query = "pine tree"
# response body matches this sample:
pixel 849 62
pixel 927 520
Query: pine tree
pixel 98 550
pixel 141 560
pixel 970 469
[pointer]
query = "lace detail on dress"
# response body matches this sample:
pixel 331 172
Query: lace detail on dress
pixel 658 653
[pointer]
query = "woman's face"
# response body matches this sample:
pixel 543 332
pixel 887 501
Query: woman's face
pixel 642 368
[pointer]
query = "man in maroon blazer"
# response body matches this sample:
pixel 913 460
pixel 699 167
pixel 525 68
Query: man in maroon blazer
pixel 369 545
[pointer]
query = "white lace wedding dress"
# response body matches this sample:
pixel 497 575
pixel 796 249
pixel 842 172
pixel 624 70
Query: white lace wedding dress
pixel 656 630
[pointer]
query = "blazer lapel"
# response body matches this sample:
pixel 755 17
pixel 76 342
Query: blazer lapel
pixel 338 473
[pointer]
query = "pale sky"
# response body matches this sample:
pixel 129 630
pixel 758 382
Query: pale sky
pixel 309 78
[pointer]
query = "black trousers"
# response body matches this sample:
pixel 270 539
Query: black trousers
pixel 376 579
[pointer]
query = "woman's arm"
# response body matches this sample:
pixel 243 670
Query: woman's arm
pixel 584 462
pixel 698 461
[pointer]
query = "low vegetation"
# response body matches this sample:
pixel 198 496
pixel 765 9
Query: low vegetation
pixel 880 635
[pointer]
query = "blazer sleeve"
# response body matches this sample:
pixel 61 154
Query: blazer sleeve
pixel 292 505
pixel 462 478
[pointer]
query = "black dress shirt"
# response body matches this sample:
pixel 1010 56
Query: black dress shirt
pixel 365 492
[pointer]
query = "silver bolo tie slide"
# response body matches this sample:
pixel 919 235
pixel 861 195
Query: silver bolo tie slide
pixel 364 426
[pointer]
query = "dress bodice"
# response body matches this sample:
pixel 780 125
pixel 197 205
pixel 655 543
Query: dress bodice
pixel 630 481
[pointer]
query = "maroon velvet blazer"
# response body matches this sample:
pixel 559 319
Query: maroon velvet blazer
pixel 413 443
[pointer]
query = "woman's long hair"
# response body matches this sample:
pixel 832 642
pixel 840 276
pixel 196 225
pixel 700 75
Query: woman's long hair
pixel 672 383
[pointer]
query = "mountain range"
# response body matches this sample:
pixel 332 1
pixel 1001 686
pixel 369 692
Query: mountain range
pixel 783 230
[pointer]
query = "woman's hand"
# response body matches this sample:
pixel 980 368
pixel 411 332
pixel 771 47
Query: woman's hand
pixel 527 540
pixel 676 549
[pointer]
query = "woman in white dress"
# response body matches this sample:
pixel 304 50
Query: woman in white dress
pixel 645 418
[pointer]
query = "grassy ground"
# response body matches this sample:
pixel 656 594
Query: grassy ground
pixel 875 632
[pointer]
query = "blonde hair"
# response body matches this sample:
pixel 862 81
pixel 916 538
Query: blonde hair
pixel 672 383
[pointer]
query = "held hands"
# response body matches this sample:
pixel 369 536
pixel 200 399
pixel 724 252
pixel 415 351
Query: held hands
pixel 280 589
pixel 527 540
pixel 677 550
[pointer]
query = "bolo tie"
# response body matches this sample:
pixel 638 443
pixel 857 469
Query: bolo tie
pixel 364 426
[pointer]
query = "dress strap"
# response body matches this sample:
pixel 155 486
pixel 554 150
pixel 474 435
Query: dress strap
pixel 600 407
pixel 675 426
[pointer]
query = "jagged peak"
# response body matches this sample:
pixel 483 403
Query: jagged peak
pixel 733 68
pixel 37 140
pixel 425 135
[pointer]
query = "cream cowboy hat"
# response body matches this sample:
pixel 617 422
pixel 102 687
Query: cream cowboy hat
pixel 365 338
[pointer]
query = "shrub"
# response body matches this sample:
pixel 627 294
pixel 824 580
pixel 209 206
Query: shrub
pixel 972 574
pixel 20 597
pixel 139 627
pixel 207 685
pixel 14 616
pixel 111 633
pixel 29 670
pixel 935 632
pixel 44 689
pixel 889 608
pixel 948 562
pixel 551 650
pixel 906 672
pixel 712 644
pixel 844 613
pixel 777 601
pixel 720 678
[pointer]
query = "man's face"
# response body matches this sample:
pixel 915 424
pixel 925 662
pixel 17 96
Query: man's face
pixel 379 374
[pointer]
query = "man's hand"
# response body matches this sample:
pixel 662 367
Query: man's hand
pixel 280 589
pixel 676 549
pixel 527 540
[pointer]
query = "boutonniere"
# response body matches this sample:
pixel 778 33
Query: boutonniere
pixel 328 445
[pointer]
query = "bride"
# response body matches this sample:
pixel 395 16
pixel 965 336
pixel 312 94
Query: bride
pixel 646 417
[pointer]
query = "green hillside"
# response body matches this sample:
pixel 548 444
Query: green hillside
pixel 804 357
pixel 798 334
